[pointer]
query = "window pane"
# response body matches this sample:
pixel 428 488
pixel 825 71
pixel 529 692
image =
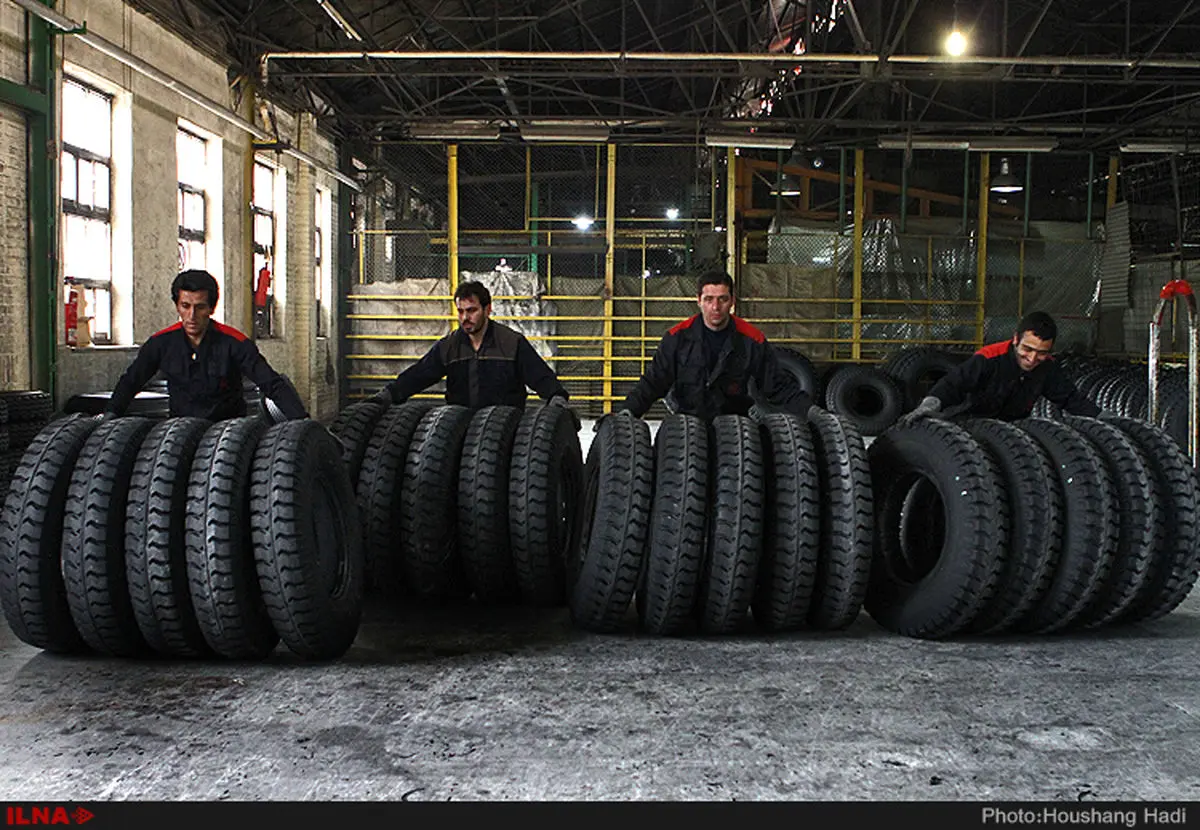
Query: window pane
pixel 87 118
pixel 101 172
pixel 86 185
pixel 192 254
pixel 87 248
pixel 264 230
pixel 264 187
pixel 98 306
pixel 68 176
pixel 190 158
pixel 193 211
pixel 179 206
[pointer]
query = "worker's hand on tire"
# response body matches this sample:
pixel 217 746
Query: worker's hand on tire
pixel 383 397
pixel 104 417
pixel 560 402
pixel 929 407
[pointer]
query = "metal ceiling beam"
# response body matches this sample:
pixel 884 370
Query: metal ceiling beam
pixel 912 7
pixel 1184 12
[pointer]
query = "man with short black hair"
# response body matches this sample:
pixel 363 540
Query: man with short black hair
pixel 1003 380
pixel 706 362
pixel 204 361
pixel 484 362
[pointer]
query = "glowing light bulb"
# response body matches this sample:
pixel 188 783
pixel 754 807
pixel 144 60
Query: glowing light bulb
pixel 956 43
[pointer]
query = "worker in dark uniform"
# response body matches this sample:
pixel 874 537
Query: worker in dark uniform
pixel 484 363
pixel 1003 380
pixel 203 360
pixel 704 365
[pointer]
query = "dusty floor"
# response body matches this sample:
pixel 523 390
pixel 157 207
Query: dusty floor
pixel 469 703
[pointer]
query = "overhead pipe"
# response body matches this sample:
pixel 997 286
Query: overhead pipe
pixel 728 57
pixel 100 44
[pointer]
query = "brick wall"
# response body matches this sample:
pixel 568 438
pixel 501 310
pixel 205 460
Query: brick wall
pixel 14 252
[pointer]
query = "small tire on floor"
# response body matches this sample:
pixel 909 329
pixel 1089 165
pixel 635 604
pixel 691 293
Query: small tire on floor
pixel 938 555
pixel 735 534
pixel 222 575
pixel 670 577
pixel 307 539
pixel 93 545
pixel 788 568
pixel 847 521
pixel 32 591
pixel 616 523
pixel 545 485
pixel 155 551
pixel 483 542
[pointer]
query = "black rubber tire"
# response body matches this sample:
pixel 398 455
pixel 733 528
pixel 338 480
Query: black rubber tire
pixel 1036 517
pixel 847 522
pixel 32 592
pixel 1138 518
pixel 307 539
pixel 801 369
pixel 545 488
pixel 670 577
pixel 916 375
pixel 27 405
pixel 379 491
pixel 155 547
pixel 787 570
pixel 429 560
pixel 932 586
pixel 865 396
pixel 737 493
pixel 21 433
pixel 93 544
pixel 1175 562
pixel 353 427
pixel 604 570
pixel 483 543
pixel 222 575
pixel 1090 529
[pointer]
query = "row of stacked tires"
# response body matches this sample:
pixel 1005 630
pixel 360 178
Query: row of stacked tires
pixel 1036 526
pixel 713 525
pixel 23 413
pixel 1120 387
pixel 872 397
pixel 458 503
pixel 182 538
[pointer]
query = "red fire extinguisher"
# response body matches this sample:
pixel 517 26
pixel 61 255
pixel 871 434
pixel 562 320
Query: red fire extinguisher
pixel 71 314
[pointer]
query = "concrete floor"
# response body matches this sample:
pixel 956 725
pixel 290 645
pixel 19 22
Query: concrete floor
pixel 472 703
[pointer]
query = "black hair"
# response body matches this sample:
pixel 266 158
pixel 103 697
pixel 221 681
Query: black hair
pixel 1040 323
pixel 713 278
pixel 196 280
pixel 476 289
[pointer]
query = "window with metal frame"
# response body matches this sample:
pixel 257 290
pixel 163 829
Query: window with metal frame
pixel 319 274
pixel 191 153
pixel 86 190
pixel 262 206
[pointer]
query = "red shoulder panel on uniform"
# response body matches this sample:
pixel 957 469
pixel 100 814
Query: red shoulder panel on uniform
pixel 748 330
pixel 168 329
pixel 995 349
pixel 685 324
pixel 230 330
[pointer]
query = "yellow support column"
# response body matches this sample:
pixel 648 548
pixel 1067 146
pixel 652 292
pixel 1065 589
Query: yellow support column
pixel 610 238
pixel 860 173
pixel 985 175
pixel 731 246
pixel 452 225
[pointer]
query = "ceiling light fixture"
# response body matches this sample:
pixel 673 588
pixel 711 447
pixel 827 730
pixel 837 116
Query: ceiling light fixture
pixel 989 144
pixel 534 132
pixel 904 142
pixel 337 18
pixel 1151 146
pixel 750 141
pixel 1005 181
pixel 454 131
